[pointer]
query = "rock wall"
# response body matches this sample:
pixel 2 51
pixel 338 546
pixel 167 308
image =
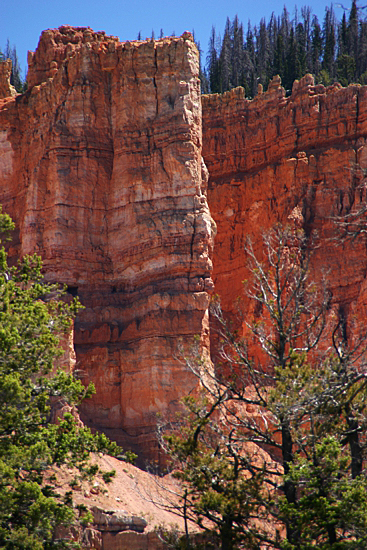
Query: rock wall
pixel 276 156
pixel 101 170
pixel 6 89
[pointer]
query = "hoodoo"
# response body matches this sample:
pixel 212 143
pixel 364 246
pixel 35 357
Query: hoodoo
pixel 102 170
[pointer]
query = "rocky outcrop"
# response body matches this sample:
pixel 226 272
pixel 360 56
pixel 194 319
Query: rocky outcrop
pixel 102 172
pixel 116 521
pixel 101 168
pixel 276 155
pixel 6 89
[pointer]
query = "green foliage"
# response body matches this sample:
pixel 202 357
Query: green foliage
pixel 219 493
pixel 287 388
pixel 290 48
pixel 331 511
pixel 16 80
pixel 346 69
pixel 33 317
pixel 108 476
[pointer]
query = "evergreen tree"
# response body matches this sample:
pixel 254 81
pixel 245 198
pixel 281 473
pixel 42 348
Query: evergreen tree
pixel 316 47
pixel 263 57
pixel 290 73
pixel 213 63
pixel 279 390
pixel 329 43
pixel 346 69
pixel 33 317
pixel 251 62
pixel 225 65
pixel 352 31
pixel 290 48
pixel 306 16
pixel 343 36
pixel 362 49
pixel 15 78
pixel 279 56
pixel 237 54
pixel 301 51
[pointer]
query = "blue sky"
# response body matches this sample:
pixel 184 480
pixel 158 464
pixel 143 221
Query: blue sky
pixel 22 21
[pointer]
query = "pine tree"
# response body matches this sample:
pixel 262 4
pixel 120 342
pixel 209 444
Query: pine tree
pixel 329 43
pixel 15 78
pixel 352 31
pixel 290 73
pixel 33 317
pixel 225 66
pixel 263 57
pixel 250 62
pixel 237 53
pixel 306 16
pixel 301 51
pixel 213 63
pixel 343 36
pixel 362 55
pixel 316 47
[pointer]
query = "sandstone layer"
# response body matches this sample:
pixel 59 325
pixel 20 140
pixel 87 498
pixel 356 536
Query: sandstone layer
pixel 101 170
pixel 6 89
pixel 274 157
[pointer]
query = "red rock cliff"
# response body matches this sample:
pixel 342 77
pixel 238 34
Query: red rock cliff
pixel 101 170
pixel 276 155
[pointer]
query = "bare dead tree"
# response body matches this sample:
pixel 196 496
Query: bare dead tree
pixel 283 385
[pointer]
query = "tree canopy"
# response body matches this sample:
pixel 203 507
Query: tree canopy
pixel 34 315
pixel 273 453
pixel 291 47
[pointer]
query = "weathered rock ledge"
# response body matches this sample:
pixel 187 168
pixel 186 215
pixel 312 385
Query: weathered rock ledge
pixel 101 170
pixel 276 155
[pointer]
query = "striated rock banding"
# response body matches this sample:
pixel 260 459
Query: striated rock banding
pixel 102 172
pixel 101 168
pixel 273 156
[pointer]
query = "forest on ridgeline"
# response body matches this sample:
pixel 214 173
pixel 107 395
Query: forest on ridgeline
pixel 331 50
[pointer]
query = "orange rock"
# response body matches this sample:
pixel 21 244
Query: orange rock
pixel 271 155
pixel 102 172
pixel 6 89
pixel 101 168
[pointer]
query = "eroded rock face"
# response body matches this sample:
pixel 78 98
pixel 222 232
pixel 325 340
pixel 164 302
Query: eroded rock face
pixel 6 89
pixel 101 168
pixel 102 172
pixel 273 156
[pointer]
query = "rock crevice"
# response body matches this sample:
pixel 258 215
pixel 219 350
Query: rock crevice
pixel 101 171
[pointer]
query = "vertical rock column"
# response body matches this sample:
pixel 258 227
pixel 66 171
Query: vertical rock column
pixel 101 169
pixel 159 241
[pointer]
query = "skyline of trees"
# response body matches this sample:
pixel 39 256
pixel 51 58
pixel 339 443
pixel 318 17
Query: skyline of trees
pixel 331 50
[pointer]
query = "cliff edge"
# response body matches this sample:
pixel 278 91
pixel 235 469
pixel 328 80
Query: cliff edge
pixel 101 170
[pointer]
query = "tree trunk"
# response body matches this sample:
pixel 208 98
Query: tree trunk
pixel 354 444
pixel 226 534
pixel 289 487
